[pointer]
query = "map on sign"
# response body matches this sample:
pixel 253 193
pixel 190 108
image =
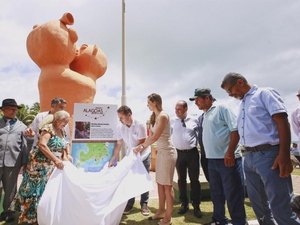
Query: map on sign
pixel 92 156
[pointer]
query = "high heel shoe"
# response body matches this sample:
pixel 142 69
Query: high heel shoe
pixel 157 216
pixel 161 222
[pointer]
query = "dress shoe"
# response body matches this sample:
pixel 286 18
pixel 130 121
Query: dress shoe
pixel 183 209
pixel 197 212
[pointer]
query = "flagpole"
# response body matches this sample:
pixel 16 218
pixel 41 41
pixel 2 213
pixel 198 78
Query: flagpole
pixel 123 100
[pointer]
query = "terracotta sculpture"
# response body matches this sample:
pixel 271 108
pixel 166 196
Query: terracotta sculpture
pixel 66 71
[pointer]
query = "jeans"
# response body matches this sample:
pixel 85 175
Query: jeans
pixel 226 185
pixel 270 195
pixel 144 196
pixel 188 162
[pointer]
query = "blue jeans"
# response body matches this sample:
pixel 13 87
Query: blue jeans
pixel 226 185
pixel 144 196
pixel 270 195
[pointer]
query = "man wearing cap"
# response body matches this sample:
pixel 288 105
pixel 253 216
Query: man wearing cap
pixel 266 137
pixel 220 139
pixel 184 137
pixel 296 123
pixel 13 153
pixel 57 104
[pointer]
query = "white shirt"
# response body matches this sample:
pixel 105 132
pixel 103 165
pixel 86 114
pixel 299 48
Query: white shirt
pixel 296 125
pixel 132 135
pixel 184 138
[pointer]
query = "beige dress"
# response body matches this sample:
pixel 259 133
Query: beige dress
pixel 166 156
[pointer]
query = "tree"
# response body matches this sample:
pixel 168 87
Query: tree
pixel 26 114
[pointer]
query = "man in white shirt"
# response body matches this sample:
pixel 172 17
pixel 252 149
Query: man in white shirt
pixel 57 104
pixel 132 133
pixel 296 123
pixel 184 137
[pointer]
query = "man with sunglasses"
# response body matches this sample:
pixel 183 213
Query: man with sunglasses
pixel 264 132
pixel 184 138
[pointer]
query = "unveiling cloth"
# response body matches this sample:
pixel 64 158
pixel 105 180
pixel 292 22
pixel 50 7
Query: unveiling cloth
pixel 75 197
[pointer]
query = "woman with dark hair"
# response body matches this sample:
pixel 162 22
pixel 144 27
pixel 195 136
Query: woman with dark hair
pixel 160 133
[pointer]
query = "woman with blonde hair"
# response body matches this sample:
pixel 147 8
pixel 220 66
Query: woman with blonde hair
pixel 51 150
pixel 160 133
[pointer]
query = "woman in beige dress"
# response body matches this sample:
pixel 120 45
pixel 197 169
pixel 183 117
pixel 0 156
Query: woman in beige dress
pixel 165 161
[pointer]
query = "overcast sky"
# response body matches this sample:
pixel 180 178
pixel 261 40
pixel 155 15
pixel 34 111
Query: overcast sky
pixel 172 47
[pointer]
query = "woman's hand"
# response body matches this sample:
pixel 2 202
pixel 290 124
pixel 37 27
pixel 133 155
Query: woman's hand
pixel 138 149
pixel 59 164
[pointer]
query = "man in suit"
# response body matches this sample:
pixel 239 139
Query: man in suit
pixel 13 153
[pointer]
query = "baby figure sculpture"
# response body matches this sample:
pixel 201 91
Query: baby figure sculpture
pixel 66 71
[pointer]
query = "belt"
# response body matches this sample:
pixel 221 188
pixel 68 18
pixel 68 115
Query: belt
pixel 186 150
pixel 258 148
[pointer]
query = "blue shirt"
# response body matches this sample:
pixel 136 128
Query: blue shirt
pixel 255 123
pixel 218 122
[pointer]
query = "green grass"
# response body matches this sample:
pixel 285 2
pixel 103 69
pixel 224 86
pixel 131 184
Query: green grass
pixel 296 171
pixel 135 217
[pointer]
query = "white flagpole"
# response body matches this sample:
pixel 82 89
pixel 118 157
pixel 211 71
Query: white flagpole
pixel 123 100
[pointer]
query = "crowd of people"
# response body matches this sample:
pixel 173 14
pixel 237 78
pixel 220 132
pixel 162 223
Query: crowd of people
pixel 253 146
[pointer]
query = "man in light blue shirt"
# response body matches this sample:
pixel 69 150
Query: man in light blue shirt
pixel 220 139
pixel 264 132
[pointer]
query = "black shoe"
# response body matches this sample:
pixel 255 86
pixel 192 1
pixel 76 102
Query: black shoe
pixel 3 216
pixel 183 209
pixel 197 212
pixel 10 216
pixel 127 210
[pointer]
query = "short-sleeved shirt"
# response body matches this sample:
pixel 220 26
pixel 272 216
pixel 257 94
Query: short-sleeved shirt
pixel 132 135
pixel 184 136
pixel 255 123
pixel 218 122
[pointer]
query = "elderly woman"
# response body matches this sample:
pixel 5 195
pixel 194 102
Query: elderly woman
pixel 51 150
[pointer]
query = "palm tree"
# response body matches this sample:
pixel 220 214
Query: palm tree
pixel 26 114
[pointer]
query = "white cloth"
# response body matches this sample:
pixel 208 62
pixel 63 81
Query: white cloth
pixel 132 136
pixel 75 197
pixel 296 125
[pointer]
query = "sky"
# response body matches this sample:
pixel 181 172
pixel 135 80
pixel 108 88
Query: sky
pixel 172 47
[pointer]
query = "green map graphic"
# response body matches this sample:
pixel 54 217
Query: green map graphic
pixel 92 156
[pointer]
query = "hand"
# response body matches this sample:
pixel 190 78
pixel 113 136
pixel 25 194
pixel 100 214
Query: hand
pixel 138 149
pixel 113 162
pixel 284 164
pixel 59 164
pixel 29 132
pixel 229 159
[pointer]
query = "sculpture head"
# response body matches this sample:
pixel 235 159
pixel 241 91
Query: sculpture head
pixel 90 61
pixel 53 42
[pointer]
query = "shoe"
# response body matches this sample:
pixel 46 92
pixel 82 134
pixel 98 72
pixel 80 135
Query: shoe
pixel 213 223
pixel 161 222
pixel 127 210
pixel 157 216
pixel 197 212
pixel 145 210
pixel 183 209
pixel 3 216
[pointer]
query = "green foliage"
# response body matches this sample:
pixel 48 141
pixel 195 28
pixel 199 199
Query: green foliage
pixel 26 114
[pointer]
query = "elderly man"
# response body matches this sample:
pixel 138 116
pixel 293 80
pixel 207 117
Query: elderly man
pixel 220 139
pixel 13 153
pixel 264 132
pixel 184 137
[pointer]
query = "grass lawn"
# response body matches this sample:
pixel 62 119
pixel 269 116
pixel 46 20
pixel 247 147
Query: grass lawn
pixel 296 171
pixel 135 217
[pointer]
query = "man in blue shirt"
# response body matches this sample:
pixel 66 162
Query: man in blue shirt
pixel 264 132
pixel 220 139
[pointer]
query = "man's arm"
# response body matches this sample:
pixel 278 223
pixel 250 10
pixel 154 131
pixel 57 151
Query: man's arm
pixel 229 158
pixel 283 160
